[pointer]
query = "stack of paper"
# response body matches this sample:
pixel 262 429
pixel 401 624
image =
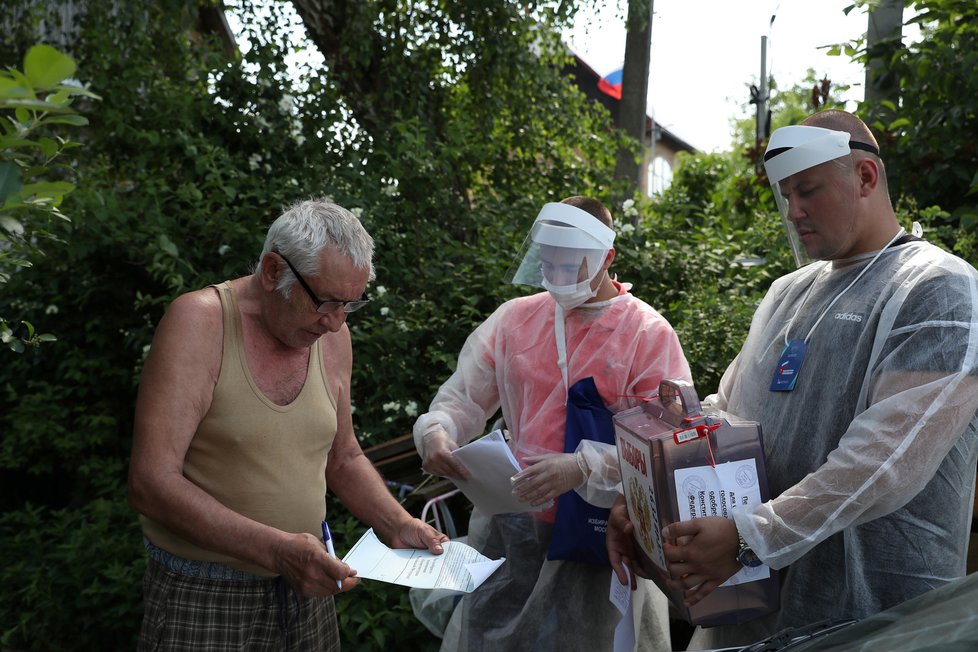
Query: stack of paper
pixel 492 464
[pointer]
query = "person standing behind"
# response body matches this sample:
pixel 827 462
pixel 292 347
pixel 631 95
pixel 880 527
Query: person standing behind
pixel 861 369
pixel 242 419
pixel 525 359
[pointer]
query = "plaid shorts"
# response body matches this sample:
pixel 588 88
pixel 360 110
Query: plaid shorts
pixel 184 612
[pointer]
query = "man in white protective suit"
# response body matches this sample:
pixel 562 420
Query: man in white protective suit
pixel 861 369
pixel 527 358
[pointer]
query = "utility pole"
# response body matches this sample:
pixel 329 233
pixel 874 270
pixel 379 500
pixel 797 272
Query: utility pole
pixel 759 97
pixel 762 97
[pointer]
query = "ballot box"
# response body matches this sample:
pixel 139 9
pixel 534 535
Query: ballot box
pixel 678 463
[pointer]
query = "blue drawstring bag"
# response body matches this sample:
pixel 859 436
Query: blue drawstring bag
pixel 579 527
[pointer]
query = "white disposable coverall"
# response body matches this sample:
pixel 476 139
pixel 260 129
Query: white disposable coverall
pixel 510 361
pixel 871 458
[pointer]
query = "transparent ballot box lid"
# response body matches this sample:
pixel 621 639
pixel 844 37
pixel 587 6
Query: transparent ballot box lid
pixel 678 463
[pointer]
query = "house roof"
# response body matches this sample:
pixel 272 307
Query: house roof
pixel 587 80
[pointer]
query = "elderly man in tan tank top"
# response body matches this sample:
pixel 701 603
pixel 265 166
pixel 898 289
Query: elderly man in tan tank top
pixel 242 419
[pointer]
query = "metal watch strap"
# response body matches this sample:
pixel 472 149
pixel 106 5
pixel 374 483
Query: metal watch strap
pixel 746 556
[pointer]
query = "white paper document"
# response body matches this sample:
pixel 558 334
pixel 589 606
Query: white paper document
pixel 460 568
pixel 708 491
pixel 492 464
pixel 620 595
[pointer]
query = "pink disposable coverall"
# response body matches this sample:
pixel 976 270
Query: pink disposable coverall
pixel 511 361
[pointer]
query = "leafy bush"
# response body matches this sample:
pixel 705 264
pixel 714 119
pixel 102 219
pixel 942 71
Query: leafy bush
pixel 703 254
pixel 929 138
pixel 73 578
pixel 35 104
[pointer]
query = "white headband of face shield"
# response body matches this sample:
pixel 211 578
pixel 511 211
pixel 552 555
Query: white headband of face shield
pixel 796 148
pixel 561 235
pixel 563 225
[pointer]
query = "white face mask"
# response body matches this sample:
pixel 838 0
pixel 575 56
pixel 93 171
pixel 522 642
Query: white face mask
pixel 570 296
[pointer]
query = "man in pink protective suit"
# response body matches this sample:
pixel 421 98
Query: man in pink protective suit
pixel 524 359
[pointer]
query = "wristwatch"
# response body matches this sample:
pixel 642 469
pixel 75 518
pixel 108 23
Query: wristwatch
pixel 746 556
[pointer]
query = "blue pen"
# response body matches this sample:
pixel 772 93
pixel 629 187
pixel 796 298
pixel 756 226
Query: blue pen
pixel 328 540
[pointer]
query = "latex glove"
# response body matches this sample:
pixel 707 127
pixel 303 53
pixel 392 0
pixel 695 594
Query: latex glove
pixel 436 455
pixel 548 476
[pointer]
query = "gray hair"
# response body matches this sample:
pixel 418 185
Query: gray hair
pixel 306 228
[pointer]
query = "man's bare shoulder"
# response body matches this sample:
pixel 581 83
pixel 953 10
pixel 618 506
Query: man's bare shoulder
pixel 194 311
pixel 192 322
pixel 184 359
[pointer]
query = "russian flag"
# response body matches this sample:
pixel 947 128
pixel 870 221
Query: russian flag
pixel 611 84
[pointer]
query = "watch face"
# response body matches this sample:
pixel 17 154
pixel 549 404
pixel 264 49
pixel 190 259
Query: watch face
pixel 747 558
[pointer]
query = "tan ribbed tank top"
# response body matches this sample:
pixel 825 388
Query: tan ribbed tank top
pixel 262 460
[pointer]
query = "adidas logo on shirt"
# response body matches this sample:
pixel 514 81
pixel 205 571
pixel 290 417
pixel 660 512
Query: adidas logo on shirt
pixel 849 316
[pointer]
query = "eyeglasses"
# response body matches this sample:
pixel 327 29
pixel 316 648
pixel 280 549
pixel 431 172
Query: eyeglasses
pixel 324 307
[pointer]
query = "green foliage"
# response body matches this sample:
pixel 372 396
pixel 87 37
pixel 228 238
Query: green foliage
pixel 703 254
pixel 930 139
pixel 70 575
pixel 19 344
pixel 35 104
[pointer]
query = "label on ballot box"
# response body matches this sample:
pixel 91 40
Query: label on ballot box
pixel 678 464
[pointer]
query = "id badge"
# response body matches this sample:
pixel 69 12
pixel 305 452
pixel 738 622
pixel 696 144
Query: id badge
pixel 789 365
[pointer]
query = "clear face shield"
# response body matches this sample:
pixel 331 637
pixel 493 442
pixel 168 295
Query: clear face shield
pixel 563 253
pixel 811 172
